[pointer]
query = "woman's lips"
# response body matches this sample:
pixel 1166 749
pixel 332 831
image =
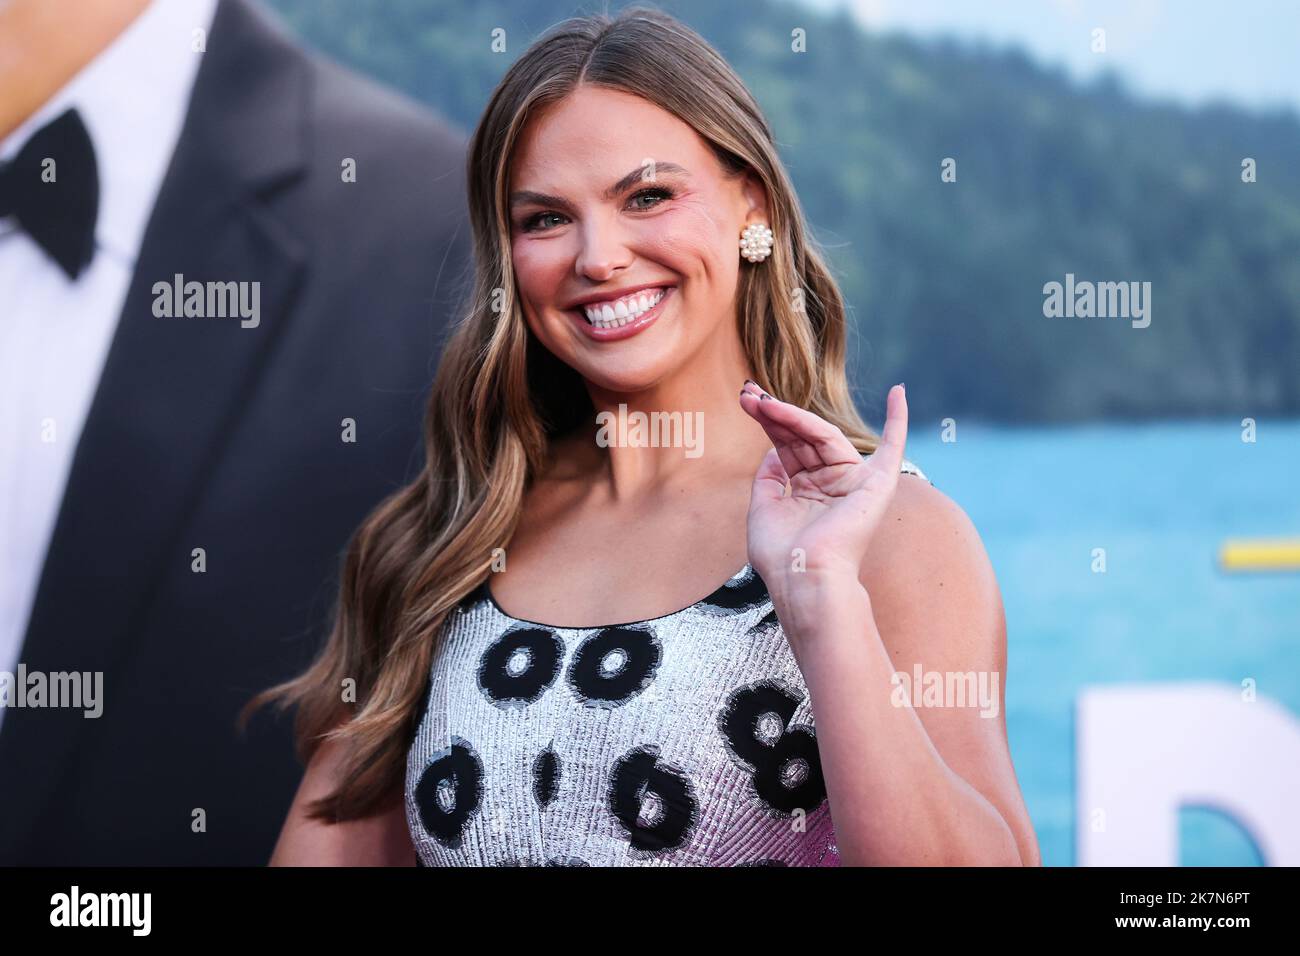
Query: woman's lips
pixel 640 324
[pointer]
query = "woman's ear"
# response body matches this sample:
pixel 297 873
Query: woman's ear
pixel 755 199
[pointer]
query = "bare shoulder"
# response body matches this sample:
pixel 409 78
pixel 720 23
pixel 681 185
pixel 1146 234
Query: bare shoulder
pixel 928 550
pixel 938 608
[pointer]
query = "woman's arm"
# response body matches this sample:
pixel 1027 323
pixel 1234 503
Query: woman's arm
pixel 883 589
pixel 380 840
pixel 930 784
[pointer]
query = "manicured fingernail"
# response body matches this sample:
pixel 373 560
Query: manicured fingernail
pixel 903 386
pixel 750 381
pixel 764 397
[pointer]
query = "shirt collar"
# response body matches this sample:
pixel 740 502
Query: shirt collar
pixel 133 98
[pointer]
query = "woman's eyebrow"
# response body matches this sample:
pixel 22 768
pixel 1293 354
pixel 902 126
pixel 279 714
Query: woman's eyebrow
pixel 639 173
pixel 636 175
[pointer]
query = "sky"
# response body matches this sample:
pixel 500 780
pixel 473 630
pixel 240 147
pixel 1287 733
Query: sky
pixel 1246 52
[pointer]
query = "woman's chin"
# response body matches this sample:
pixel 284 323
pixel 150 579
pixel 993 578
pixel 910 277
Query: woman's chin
pixel 633 370
pixel 627 381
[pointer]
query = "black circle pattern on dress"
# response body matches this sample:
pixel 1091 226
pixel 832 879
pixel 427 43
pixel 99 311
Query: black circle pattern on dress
pixel 450 791
pixel 519 665
pixel 653 801
pixel 614 665
pixel 783 759
pixel 742 593
pixel 546 776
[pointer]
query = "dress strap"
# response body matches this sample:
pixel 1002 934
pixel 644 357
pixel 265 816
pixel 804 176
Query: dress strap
pixel 908 468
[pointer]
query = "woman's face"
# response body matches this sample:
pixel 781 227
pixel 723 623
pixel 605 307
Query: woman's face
pixel 611 195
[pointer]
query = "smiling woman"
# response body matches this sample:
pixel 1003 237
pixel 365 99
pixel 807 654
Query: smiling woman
pixel 639 246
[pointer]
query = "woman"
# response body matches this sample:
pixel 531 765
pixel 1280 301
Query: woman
pixel 639 249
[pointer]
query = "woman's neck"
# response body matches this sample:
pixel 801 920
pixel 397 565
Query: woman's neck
pixel 665 439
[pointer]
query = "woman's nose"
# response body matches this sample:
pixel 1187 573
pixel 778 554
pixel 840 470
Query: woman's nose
pixel 602 252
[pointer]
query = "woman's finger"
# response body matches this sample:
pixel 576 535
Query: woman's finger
pixel 782 438
pixel 893 438
pixel 770 479
pixel 812 440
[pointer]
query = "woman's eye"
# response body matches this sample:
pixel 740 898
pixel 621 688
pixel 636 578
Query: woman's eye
pixel 536 222
pixel 656 191
pixel 532 223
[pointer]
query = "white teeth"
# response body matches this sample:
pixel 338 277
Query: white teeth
pixel 623 311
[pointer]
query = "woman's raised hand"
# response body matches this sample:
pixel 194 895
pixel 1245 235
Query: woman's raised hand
pixel 835 498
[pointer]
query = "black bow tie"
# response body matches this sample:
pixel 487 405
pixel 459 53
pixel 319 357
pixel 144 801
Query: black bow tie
pixel 55 202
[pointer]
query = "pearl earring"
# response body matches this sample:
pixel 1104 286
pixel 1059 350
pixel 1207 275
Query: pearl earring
pixel 756 242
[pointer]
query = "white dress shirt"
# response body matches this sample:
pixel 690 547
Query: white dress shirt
pixel 55 332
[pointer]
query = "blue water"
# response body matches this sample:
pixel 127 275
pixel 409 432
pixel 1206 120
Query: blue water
pixel 1160 499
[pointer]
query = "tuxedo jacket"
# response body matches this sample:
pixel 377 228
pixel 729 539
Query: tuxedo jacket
pixel 213 434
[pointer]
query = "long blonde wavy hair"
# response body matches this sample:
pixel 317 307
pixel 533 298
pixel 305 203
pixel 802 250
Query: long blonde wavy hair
pixel 499 397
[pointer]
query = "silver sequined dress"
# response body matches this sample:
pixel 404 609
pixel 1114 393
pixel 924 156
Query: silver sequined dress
pixel 683 740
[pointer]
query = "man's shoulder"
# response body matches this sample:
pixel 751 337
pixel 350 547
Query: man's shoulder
pixel 342 106
pixel 383 170
pixel 347 103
